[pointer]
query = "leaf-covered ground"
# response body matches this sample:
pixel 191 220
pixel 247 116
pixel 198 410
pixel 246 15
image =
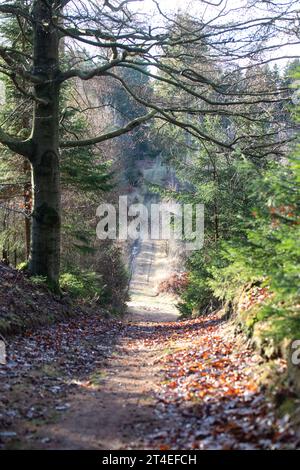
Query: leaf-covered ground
pixel 43 371
pixel 210 392
pixel 137 384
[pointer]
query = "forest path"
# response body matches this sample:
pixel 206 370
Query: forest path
pixel 137 384
pixel 150 381
pixel 168 385
pixel 115 408
pixel 89 383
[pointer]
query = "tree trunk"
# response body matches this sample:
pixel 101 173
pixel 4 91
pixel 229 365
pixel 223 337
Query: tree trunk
pixel 45 235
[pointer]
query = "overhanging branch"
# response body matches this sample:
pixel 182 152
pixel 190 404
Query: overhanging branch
pixel 88 74
pixel 21 147
pixel 109 135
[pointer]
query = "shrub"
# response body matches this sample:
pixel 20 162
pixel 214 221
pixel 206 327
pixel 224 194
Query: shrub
pixel 83 285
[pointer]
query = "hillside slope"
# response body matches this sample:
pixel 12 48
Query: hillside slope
pixel 25 304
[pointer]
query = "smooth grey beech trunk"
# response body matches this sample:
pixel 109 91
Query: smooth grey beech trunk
pixel 46 221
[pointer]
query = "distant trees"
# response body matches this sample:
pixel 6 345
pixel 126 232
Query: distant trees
pixel 109 36
pixel 136 145
pixel 16 115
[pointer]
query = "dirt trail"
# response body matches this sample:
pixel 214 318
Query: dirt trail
pixel 149 382
pixel 117 407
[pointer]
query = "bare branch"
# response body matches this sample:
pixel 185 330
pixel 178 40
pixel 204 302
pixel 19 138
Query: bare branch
pixel 17 211
pixel 22 147
pixel 110 135
pixel 88 74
